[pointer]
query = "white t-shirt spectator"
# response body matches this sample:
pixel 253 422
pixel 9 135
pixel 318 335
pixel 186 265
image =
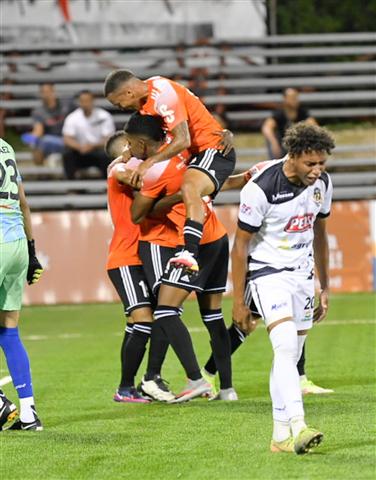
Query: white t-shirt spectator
pixel 89 130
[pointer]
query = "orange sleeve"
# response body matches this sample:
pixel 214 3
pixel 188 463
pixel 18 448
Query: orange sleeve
pixel 170 105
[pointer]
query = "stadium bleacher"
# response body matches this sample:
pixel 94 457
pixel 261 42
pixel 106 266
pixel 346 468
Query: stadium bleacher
pixel 335 72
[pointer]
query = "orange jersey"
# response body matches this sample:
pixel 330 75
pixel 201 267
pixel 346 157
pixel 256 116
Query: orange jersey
pixel 175 103
pixel 169 183
pixel 123 250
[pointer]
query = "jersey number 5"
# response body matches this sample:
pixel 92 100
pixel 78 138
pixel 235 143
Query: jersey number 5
pixel 13 178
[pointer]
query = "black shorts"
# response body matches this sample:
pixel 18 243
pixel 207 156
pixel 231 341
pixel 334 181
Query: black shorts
pixel 131 286
pixel 154 260
pixel 212 277
pixel 217 166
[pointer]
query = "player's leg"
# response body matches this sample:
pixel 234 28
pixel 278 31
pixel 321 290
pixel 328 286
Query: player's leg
pixel 13 269
pixel 212 316
pixel 129 282
pixel 205 175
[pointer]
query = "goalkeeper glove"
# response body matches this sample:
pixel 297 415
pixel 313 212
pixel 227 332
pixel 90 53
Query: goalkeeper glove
pixel 35 269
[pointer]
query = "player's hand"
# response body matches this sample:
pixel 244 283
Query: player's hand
pixel 138 174
pixel 241 316
pixel 226 144
pixel 35 269
pixel 321 310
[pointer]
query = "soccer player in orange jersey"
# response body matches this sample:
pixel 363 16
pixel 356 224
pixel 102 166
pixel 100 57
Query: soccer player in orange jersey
pixel 192 127
pixel 210 282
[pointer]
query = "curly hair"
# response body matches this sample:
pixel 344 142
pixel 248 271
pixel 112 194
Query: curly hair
pixel 304 138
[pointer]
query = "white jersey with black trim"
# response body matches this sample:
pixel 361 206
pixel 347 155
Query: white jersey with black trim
pixel 282 215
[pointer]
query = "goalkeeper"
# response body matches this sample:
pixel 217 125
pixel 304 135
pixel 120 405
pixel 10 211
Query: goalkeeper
pixel 18 263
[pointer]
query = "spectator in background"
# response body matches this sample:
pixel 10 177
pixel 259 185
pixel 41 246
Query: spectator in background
pixel 274 127
pixel 85 133
pixel 46 136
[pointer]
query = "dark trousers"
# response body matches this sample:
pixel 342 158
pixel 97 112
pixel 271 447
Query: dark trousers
pixel 74 160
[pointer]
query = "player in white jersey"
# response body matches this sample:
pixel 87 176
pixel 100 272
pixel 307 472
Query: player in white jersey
pixel 18 263
pixel 281 235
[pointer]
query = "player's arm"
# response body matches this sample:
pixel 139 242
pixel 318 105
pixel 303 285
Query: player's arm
pixel 241 313
pixel 35 269
pixel 321 255
pixel 268 130
pixel 141 206
pixel 236 182
pixel 163 205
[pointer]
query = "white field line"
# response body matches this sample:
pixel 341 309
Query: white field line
pixel 5 380
pixel 73 336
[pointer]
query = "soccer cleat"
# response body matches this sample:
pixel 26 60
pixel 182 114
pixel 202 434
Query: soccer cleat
pixel 193 389
pixel 227 394
pixel 157 389
pixel 184 259
pixel 35 425
pixel 307 387
pixel 211 380
pixel 308 438
pixel 129 395
pixel 8 413
pixel 284 446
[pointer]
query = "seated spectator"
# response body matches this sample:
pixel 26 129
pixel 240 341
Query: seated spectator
pixel 274 127
pixel 85 133
pixel 46 136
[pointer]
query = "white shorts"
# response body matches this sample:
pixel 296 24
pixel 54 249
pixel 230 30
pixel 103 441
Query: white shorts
pixel 283 295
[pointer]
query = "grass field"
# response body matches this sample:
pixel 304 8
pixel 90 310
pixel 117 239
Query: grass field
pixel 74 355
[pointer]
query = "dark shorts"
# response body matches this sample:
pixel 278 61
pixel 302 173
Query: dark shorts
pixel 154 260
pixel 212 277
pixel 131 286
pixel 217 166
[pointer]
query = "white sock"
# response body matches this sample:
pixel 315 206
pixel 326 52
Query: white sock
pixel 303 378
pixel 297 424
pixel 281 426
pixel 27 413
pixel 285 374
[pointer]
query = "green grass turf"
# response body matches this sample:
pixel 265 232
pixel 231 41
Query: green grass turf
pixel 88 436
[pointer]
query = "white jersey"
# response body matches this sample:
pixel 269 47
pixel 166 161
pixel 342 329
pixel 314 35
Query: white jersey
pixel 282 215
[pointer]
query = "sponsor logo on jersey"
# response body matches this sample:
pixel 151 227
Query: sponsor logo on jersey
pixel 300 223
pixel 317 197
pixel 282 196
pixel 246 209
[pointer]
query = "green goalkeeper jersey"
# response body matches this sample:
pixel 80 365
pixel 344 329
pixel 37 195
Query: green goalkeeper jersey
pixel 11 218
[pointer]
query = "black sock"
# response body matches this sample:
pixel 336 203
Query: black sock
pixel 127 334
pixel 180 340
pixel 237 337
pixel 301 363
pixel 157 351
pixel 220 343
pixel 192 235
pixel 134 352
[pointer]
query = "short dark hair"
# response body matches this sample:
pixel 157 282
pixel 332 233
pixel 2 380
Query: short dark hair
pixel 115 79
pixel 304 138
pixel 146 125
pixel 110 144
pixel 85 92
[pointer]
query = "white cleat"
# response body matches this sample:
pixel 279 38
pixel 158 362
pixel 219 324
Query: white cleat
pixel 228 395
pixel 157 389
pixel 193 389
pixel 184 259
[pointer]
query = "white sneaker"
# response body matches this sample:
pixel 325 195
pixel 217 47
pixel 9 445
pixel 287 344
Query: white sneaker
pixel 157 389
pixel 184 259
pixel 193 389
pixel 228 395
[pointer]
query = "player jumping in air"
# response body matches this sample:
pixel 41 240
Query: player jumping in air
pixel 192 127
pixel 281 235
pixel 18 263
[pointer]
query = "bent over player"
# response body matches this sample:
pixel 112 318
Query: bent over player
pixel 281 234
pixel 18 263
pixel 192 127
